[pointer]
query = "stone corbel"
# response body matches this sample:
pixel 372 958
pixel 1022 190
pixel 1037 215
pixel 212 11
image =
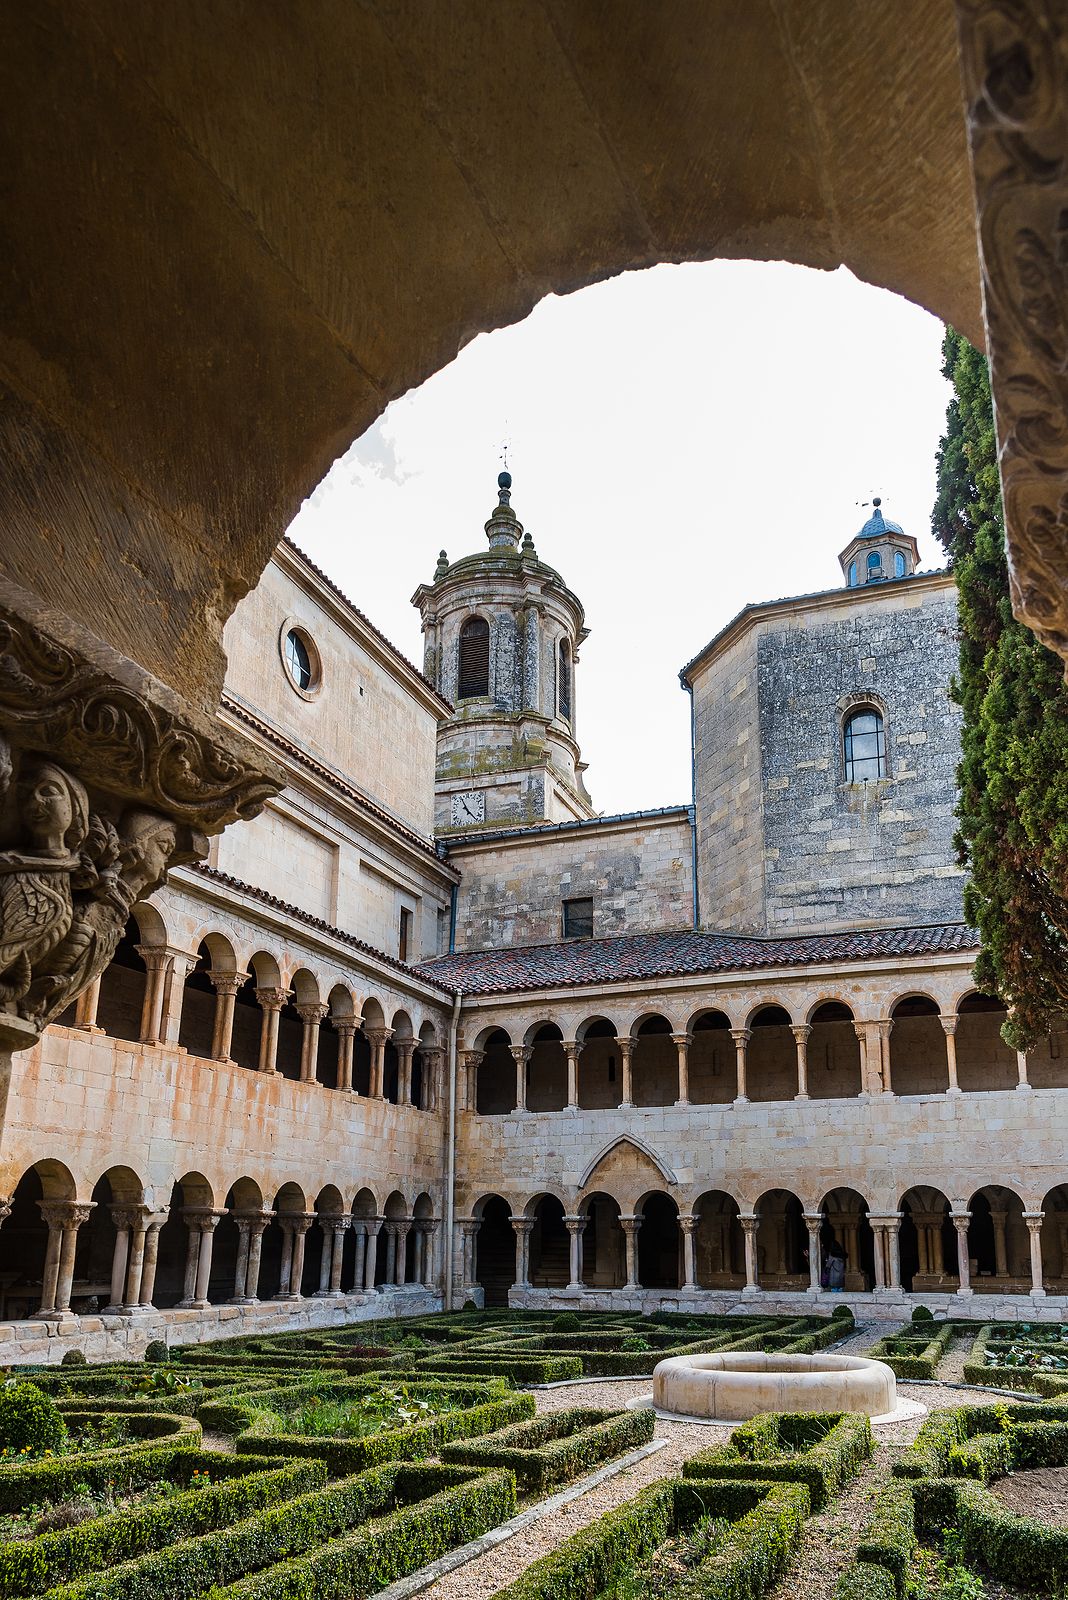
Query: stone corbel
pixel 109 779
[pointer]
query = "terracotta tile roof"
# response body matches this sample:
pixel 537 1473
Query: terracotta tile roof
pixel 423 974
pixel 576 962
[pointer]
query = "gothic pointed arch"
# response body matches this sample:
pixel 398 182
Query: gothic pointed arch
pixel 625 1143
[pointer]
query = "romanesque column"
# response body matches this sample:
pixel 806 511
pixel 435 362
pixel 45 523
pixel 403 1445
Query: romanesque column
pixel 182 964
pixel 378 1038
pixel 750 1223
pixel 64 1218
pixel 879 1253
pixel 469 1229
pixel 391 1254
pixel 741 1038
pixel 85 1012
pixel 311 1015
pixel 523 1227
pixel 802 1032
pixel 148 1271
pixel 330 1227
pixel 893 1248
pixel 1033 1220
pixel 999 1219
pixel 139 1216
pixel 400 1260
pixel 430 1264
pixel 681 1041
pixel 949 1028
pixel 432 1062
pixel 346 1040
pixel 884 1028
pixel 271 1002
pixel 405 1049
pixel 207 1223
pixel 1021 1070
pixel 418 1249
pixel 572 1050
pixel 226 986
pixel 814 1224
pixel 521 1055
pixel 372 1227
pixel 626 1051
pixel 961 1220
pixel 157 962
pixel 53 1212
pixel 630 1226
pixel 338 1226
pixel 689 1273
pixel 473 1059
pixel 575 1227
pixel 359 1230
pixel 122 1217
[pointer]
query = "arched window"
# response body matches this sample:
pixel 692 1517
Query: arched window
pixel 899 563
pixel 864 742
pixel 852 574
pixel 563 682
pixel 875 566
pixel 473 675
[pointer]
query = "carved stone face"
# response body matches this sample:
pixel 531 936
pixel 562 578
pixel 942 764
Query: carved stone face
pixel 150 843
pixel 48 808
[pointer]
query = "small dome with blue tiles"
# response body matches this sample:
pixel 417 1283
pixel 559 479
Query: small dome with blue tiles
pixel 877 526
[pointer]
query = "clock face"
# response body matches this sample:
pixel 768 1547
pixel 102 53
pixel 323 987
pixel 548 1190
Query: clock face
pixel 468 806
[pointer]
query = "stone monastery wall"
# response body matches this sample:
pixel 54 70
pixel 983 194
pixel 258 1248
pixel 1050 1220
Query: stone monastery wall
pixel 637 870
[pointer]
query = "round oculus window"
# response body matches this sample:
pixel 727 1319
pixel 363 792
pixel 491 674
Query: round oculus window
pixel 301 660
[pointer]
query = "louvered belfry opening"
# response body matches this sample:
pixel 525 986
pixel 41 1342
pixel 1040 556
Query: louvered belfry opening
pixel 473 677
pixel 563 695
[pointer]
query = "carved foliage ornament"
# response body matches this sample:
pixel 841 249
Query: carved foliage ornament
pixel 1014 57
pixel 104 785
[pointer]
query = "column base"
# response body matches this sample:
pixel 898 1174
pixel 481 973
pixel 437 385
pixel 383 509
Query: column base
pixel 751 1288
pixel 1038 1294
pixel 740 1100
pixel 1024 1088
pixel 571 1109
pixel 243 1300
pixel 682 1103
pixel 956 1089
pixel 327 1294
pixel 963 1294
pixel 289 1295
pixel 804 1096
pixel 625 1105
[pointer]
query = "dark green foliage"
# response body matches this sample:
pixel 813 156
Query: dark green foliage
pixel 922 1314
pixel 766 1521
pixel 29 1420
pixel 54 1476
pixel 421 1510
pixel 914 1355
pixel 409 1444
pixel 31 1566
pixel 73 1358
pixel 1017 1550
pixel 566 1322
pixel 558 1446
pixel 1013 774
pixel 888 1537
pixel 863 1580
pixel 156 1350
pixel 842 1314
pixel 822 1451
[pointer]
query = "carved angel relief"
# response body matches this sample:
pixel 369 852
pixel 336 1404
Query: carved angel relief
pixel 68 883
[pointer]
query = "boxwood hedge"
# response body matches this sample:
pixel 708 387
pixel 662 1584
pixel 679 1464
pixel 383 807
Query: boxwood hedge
pixel 821 1450
pixel 557 1446
pixel 49 1477
pixel 315 1525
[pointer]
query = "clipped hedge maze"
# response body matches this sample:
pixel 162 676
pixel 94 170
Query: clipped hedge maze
pixel 558 1446
pixel 821 1450
pixel 1009 1355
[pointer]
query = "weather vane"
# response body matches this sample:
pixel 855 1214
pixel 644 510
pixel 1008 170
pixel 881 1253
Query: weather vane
pixel 873 500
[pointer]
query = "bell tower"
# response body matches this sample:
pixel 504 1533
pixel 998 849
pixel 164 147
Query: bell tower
pixel 502 633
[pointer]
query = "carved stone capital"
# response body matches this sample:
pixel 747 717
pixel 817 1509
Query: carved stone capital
pixel 228 983
pixel 272 999
pixel 312 1014
pixel 133 780
pixel 65 1213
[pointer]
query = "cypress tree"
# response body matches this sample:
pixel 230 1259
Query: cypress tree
pixel 1012 810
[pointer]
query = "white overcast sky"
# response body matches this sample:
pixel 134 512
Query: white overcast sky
pixel 682 441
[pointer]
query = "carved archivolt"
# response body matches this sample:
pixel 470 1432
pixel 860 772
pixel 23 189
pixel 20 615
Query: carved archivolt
pixel 1015 63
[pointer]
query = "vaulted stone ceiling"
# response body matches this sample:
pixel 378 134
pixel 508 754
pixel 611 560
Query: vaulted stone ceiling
pixel 232 232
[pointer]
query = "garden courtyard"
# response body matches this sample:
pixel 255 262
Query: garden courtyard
pixel 505 1454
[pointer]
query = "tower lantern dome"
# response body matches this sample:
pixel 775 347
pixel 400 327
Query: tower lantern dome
pixel 501 639
pixel 880 553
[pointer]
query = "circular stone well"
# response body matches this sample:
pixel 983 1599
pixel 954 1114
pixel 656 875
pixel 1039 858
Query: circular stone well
pixel 733 1388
